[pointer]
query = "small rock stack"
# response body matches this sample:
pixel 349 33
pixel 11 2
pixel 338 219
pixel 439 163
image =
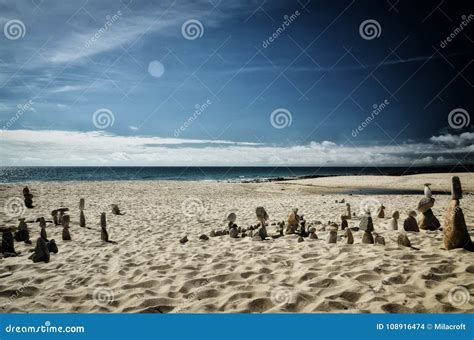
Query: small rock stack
pixel 23 233
pixel 65 224
pixel 28 198
pixel 262 216
pixel 427 220
pixel 233 228
pixel 367 225
pixel 455 233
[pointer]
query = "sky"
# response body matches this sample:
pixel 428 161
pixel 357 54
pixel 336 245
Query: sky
pixel 335 83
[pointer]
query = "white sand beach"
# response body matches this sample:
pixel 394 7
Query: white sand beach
pixel 148 270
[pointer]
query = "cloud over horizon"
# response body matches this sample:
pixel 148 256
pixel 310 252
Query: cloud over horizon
pixel 73 148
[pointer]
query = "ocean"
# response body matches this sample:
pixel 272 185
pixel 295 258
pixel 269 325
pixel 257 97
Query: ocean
pixel 226 174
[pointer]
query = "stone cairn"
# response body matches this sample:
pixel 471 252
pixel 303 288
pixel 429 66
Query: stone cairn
pixel 427 220
pixel 367 225
pixel 42 225
pixel 65 224
pixel 104 235
pixel 23 233
pixel 393 223
pixel 50 244
pixel 262 216
pixel 82 217
pixel 233 228
pixel 8 242
pixel 410 223
pixel 455 233
pixel 28 198
pixel 293 222
pixel 312 233
pixel 381 212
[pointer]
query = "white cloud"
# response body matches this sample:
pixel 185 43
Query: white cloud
pixel 465 138
pixel 27 147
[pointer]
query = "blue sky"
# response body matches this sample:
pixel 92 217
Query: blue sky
pixel 208 99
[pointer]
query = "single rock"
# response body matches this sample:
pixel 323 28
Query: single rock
pixel 204 237
pixel 425 204
pixel 244 234
pixel 104 235
pixel 403 240
pixel 41 252
pixel 455 233
pixel 55 213
pixel 456 189
pixel 300 239
pixel 427 191
pixel 396 215
pixel 381 212
pixel 332 236
pixel 52 247
pixel 184 240
pixel 348 211
pixel 344 224
pixel 293 222
pixel 262 215
pixel 212 233
pixel 349 236
pixel 379 240
pixel 262 232
pixel 116 210
pixel 410 224
pixel 234 232
pixel 366 223
pixel 428 221
pixel 367 238
pixel 82 204
pixel 393 224
pixel 82 219
pixel 232 217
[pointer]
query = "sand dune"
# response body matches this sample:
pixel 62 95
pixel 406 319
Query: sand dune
pixel 150 271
